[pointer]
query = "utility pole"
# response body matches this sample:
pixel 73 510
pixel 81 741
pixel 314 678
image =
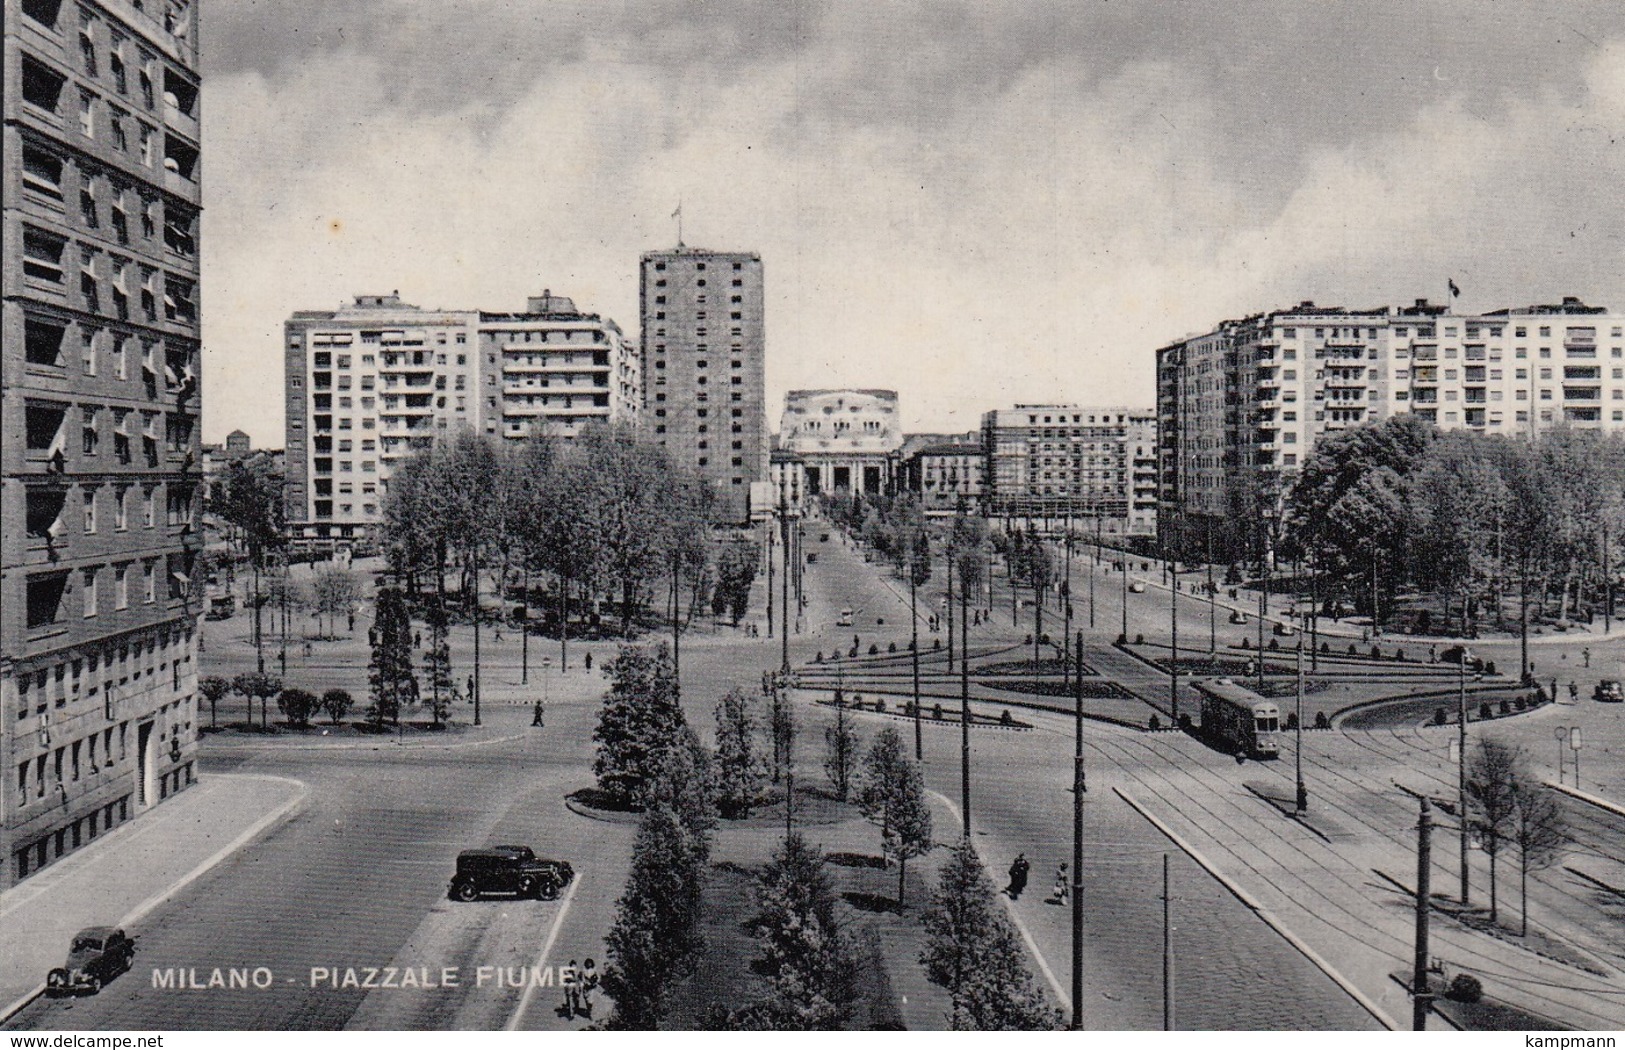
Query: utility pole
pixel 914 643
pixel 524 631
pixel 1421 995
pixel 964 708
pixel 1125 599
pixel 1461 765
pixel 1167 951
pixel 1303 789
pixel 1079 785
pixel 1263 607
pixel 784 586
pixel 770 581
pixel 1173 626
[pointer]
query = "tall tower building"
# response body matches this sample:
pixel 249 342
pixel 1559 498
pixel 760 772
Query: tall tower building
pixel 99 443
pixel 704 379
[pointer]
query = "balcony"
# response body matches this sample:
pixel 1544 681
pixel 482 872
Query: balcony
pixel 1582 393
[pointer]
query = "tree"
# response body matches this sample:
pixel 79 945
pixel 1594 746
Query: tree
pixel 336 702
pixel 1492 795
pixel 212 688
pixel 1539 831
pixel 247 495
pixel 298 705
pixel 782 728
pixel 841 747
pixel 656 934
pixel 261 686
pixel 739 767
pixel 685 783
pixel 389 675
pixel 807 956
pixel 972 951
pixel 640 718
pixel 736 572
pixel 335 592
pixel 892 797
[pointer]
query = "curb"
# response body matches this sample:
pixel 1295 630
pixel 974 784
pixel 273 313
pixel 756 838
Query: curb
pixel 277 816
pixel 223 748
pixel 1263 913
pixel 1585 796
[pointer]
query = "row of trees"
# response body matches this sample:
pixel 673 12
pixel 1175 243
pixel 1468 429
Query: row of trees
pixel 604 514
pixel 298 705
pixel 1509 807
pixel 1474 519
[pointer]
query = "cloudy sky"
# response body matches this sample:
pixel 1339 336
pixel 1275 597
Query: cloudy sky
pixel 973 203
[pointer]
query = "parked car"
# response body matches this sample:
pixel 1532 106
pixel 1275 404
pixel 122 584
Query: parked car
pixel 1455 654
pixel 845 619
pixel 1237 616
pixel 1608 691
pixel 508 869
pixel 1137 587
pixel 1285 630
pixel 96 955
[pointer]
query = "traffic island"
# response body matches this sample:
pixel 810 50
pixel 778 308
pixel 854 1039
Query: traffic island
pixel 929 713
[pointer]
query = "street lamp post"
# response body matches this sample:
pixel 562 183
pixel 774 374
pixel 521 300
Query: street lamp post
pixel 1562 735
pixel 1125 599
pixel 1173 627
pixel 1303 790
pixel 1461 766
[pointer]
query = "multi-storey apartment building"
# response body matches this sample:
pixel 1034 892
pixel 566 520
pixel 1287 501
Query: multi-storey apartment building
pixel 376 380
pixel 366 386
pixel 847 440
pixel 1067 465
pixel 99 443
pixel 947 475
pixel 704 356
pixel 1241 407
pixel 560 368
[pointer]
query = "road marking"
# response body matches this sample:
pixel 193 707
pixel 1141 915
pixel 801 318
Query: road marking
pixel 541 960
pixel 1263 913
pixel 1021 927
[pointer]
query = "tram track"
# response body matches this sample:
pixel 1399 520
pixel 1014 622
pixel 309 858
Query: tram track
pixel 1293 886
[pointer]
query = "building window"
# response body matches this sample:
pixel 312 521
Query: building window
pixel 89 593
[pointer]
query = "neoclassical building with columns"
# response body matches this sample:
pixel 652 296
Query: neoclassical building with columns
pixel 848 440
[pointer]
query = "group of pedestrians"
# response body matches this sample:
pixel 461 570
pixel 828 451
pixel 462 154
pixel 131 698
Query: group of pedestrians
pixel 1021 868
pixel 580 982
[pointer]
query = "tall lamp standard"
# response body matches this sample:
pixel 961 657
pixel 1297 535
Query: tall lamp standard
pixel 1303 789
pixel 1461 764
pixel 1124 563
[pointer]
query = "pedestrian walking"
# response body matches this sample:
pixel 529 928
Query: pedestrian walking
pixel 1018 876
pixel 589 660
pixel 417 640
pixel 309 649
pixel 471 689
pixel 1586 653
pixel 1063 889
pixel 536 714
pixel 352 623
pixel 1574 692
pixel 589 984
pixel 572 990
pixel 498 632
pixel 1433 654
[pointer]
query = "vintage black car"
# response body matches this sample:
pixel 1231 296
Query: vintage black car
pixel 1608 691
pixel 97 955
pixel 508 869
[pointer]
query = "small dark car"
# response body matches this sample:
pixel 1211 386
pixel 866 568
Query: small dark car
pixel 1608 691
pixel 1456 654
pixel 508 869
pixel 97 955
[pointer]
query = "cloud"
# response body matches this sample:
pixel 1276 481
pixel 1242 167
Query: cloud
pixel 974 210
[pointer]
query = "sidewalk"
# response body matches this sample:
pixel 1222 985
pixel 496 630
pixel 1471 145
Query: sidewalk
pixel 124 876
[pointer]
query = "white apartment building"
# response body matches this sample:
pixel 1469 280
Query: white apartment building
pixel 1241 407
pixel 376 380
pixel 367 385
pixel 560 367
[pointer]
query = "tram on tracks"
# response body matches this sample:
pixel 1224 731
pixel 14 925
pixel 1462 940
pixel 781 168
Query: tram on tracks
pixel 1239 721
